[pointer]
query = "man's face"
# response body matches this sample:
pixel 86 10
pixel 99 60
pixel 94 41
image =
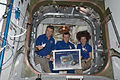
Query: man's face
pixel 66 38
pixel 49 32
pixel 83 40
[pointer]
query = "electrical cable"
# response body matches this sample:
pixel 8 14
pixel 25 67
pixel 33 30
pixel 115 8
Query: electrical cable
pixel 7 44
pixel 2 48
pixel 6 66
pixel 22 15
pixel 10 56
pixel 8 59
pixel 1 19
pixel 3 16
pixel 19 28
pixel 14 25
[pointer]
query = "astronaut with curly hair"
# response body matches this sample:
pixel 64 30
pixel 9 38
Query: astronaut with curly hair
pixel 86 49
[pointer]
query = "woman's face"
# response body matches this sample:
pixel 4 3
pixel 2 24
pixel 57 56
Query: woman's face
pixel 83 40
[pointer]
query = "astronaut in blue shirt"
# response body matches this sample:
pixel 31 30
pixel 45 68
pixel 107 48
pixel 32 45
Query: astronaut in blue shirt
pixel 64 44
pixel 44 45
pixel 86 49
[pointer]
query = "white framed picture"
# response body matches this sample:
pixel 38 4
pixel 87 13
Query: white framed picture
pixel 66 59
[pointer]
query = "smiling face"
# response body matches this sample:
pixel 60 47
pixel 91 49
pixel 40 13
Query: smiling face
pixel 83 40
pixel 66 37
pixel 49 32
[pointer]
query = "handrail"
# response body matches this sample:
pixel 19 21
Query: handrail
pixel 110 17
pixel 115 29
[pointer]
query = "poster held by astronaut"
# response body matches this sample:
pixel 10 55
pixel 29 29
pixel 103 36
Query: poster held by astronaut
pixel 66 59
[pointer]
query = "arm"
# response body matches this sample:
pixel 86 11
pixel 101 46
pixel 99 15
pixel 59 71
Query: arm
pixel 38 48
pixel 57 46
pixel 38 44
pixel 73 46
pixel 90 54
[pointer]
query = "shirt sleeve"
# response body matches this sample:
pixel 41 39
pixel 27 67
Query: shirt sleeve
pixel 73 46
pixel 53 45
pixel 78 47
pixel 38 41
pixel 90 49
pixel 57 46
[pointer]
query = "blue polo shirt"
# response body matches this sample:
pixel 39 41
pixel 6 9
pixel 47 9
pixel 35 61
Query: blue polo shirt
pixel 85 53
pixel 50 44
pixel 62 45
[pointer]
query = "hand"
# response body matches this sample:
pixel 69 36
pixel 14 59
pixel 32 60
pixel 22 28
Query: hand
pixel 51 54
pixel 83 64
pixel 48 56
pixel 39 47
pixel 51 59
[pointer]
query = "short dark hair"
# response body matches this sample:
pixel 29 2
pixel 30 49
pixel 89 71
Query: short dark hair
pixel 66 33
pixel 51 27
pixel 83 34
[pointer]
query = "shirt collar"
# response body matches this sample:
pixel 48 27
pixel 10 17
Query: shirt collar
pixel 47 37
pixel 64 42
pixel 85 44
